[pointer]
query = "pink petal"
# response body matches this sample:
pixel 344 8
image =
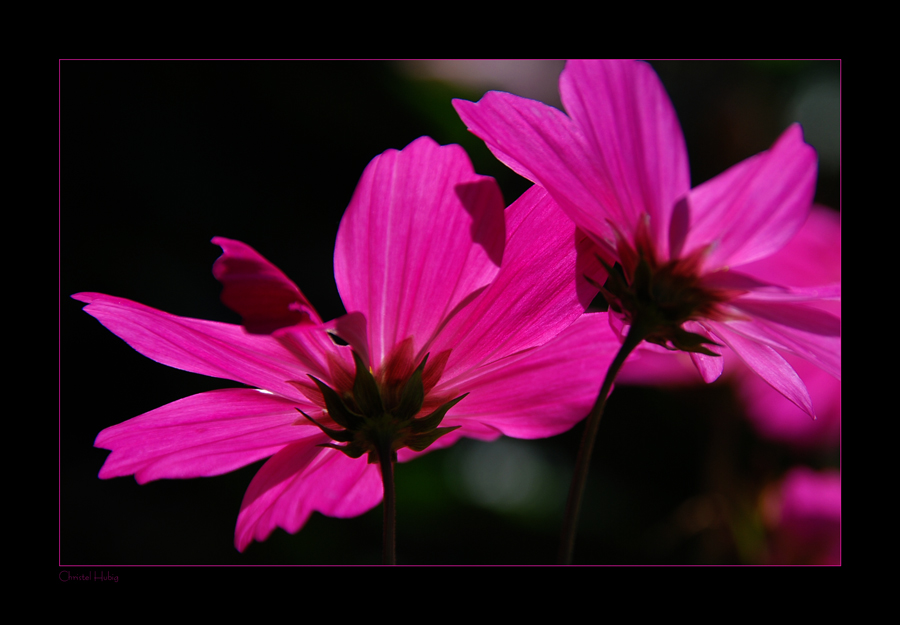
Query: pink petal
pixel 658 368
pixel 778 419
pixel 766 362
pixel 258 291
pixel 210 348
pixel 710 367
pixel 207 434
pixel 759 291
pixel 422 233
pixel 821 350
pixel 543 145
pixel 539 291
pixel 810 259
pixel 315 353
pixel 635 139
pixel 753 209
pixel 352 328
pixel 542 392
pixel 793 315
pixel 303 478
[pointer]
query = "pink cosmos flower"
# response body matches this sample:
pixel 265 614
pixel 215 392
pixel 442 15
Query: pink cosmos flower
pixel 478 308
pixel 812 257
pixel 617 165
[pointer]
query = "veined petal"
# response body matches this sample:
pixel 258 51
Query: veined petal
pixel 258 291
pixel 770 366
pixel 793 315
pixel 542 144
pixel 202 435
pixel 758 291
pixel 753 209
pixel 542 392
pixel 422 233
pixel 303 478
pixel 626 117
pixel 777 418
pixel 812 258
pixel 821 350
pixel 539 291
pixel 220 350
pixel 315 353
pixel 352 328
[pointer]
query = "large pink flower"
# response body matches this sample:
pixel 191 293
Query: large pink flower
pixel 618 166
pixel 427 263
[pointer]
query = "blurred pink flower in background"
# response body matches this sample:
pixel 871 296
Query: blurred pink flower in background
pixel 618 166
pixel 427 262
pixel 778 419
pixel 810 259
pixel 803 516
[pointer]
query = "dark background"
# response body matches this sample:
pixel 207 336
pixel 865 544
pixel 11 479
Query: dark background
pixel 158 157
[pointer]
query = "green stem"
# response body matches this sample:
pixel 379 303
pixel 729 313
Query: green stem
pixel 636 334
pixel 389 548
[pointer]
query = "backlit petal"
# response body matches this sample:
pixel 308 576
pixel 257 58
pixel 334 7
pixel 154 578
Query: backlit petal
pixel 754 208
pixel 770 366
pixel 638 149
pixel 822 350
pixel 303 478
pixel 778 419
pixel 201 435
pixel 542 144
pixel 539 291
pixel 220 350
pixel 811 258
pixel 422 233
pixel 709 367
pixel 545 391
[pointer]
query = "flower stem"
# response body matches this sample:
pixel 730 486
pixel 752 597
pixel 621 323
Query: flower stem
pixel 389 548
pixel 636 334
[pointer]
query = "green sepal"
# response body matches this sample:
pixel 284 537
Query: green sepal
pixel 684 341
pixel 615 283
pixel 343 436
pixel 420 442
pixel 351 451
pixel 427 424
pixel 690 342
pixel 337 409
pixel 374 458
pixel 413 395
pixel 365 389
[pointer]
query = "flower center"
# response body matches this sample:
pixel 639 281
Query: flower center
pixel 380 414
pixel 658 298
